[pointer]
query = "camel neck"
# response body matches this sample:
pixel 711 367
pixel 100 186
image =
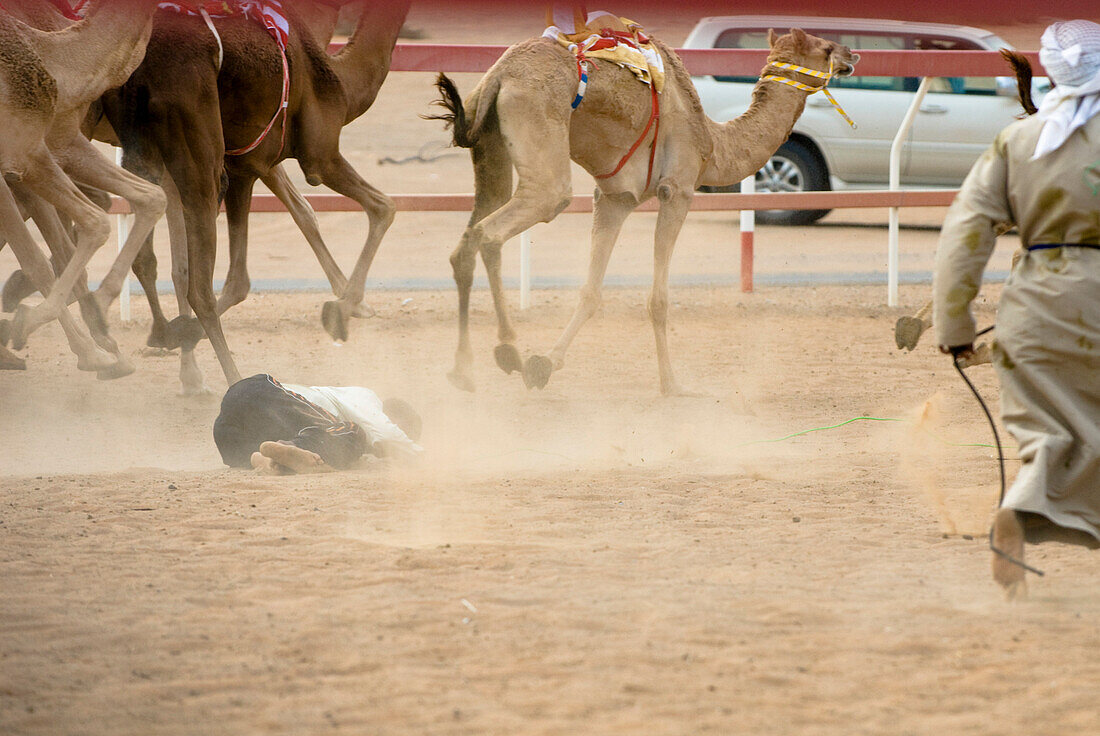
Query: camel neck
pixel 362 65
pixel 744 144
pixel 319 19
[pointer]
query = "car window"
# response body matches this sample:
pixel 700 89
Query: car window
pixel 956 85
pixel 758 39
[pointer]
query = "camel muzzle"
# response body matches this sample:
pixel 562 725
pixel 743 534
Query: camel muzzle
pixel 847 68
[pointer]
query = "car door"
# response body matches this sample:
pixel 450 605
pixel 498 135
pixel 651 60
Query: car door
pixel 877 105
pixel 957 120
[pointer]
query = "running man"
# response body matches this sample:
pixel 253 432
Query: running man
pixel 282 428
pixel 1043 174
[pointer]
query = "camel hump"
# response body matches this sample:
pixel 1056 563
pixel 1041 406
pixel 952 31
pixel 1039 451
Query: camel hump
pixel 24 80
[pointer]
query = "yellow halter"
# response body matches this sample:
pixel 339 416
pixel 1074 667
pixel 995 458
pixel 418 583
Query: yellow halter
pixel 805 87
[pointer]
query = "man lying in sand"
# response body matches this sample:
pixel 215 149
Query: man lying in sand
pixel 279 428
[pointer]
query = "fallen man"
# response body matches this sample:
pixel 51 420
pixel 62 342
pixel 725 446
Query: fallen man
pixel 281 428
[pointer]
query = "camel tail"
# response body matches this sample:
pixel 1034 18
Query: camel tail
pixel 465 132
pixel 1021 68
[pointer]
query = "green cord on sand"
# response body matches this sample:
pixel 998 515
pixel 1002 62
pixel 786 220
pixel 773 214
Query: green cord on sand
pixel 857 419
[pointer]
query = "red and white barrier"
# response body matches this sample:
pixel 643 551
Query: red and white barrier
pixel 428 57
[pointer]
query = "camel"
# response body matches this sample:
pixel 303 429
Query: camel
pixel 179 93
pixel 909 328
pixel 319 18
pixel 520 116
pixel 58 74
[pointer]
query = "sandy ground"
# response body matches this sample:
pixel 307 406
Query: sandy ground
pixel 591 558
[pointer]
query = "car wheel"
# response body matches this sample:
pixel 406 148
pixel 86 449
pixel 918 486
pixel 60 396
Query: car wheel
pixel 793 168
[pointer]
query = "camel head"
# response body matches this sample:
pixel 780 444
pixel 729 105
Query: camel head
pixel 802 49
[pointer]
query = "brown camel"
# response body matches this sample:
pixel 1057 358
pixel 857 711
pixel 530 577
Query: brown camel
pixel 909 328
pixel 519 116
pixel 179 94
pixel 319 18
pixel 60 73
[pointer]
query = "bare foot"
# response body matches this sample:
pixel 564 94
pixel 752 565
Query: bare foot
pixel 295 458
pixel 1008 537
pixel 267 466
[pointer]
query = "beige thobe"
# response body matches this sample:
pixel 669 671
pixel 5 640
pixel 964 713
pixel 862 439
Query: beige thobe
pixel 1047 350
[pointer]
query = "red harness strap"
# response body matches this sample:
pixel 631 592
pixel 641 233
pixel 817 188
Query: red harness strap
pixel 68 10
pixel 283 103
pixel 655 123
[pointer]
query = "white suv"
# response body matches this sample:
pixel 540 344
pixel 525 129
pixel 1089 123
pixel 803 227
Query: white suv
pixel 958 119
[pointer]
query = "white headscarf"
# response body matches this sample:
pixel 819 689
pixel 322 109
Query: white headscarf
pixel 1070 53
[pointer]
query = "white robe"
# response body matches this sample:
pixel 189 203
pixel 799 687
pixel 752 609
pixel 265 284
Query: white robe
pixel 362 406
pixel 1047 349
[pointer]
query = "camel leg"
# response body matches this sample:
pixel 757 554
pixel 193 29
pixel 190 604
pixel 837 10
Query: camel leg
pixel 184 331
pixel 238 201
pixel 670 218
pixel 199 196
pixel 492 188
pixel 47 180
pixel 145 269
pixel 306 219
pixel 147 201
pixel 609 213
pixel 463 263
pixel 337 174
pixel 57 238
pixel 37 268
pixel 541 158
pixel 908 330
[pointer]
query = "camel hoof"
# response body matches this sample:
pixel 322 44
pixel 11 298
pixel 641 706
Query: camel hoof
pixel 95 361
pixel 335 321
pixel 461 380
pixel 536 372
pixel 19 327
pixel 17 288
pixel 9 361
pixel 907 332
pixel 159 337
pixel 185 332
pixel 508 358
pixel 363 311
pixel 120 369
pixel 5 332
pixel 192 390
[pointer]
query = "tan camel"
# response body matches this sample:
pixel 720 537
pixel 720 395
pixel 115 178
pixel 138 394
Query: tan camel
pixel 199 104
pixel 519 116
pixel 75 67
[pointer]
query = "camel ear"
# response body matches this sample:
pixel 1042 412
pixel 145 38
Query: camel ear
pixel 771 37
pixel 799 37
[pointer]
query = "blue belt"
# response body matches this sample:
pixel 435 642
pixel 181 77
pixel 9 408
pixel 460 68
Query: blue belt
pixel 1048 246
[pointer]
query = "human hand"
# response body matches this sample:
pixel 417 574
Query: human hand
pixel 958 351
